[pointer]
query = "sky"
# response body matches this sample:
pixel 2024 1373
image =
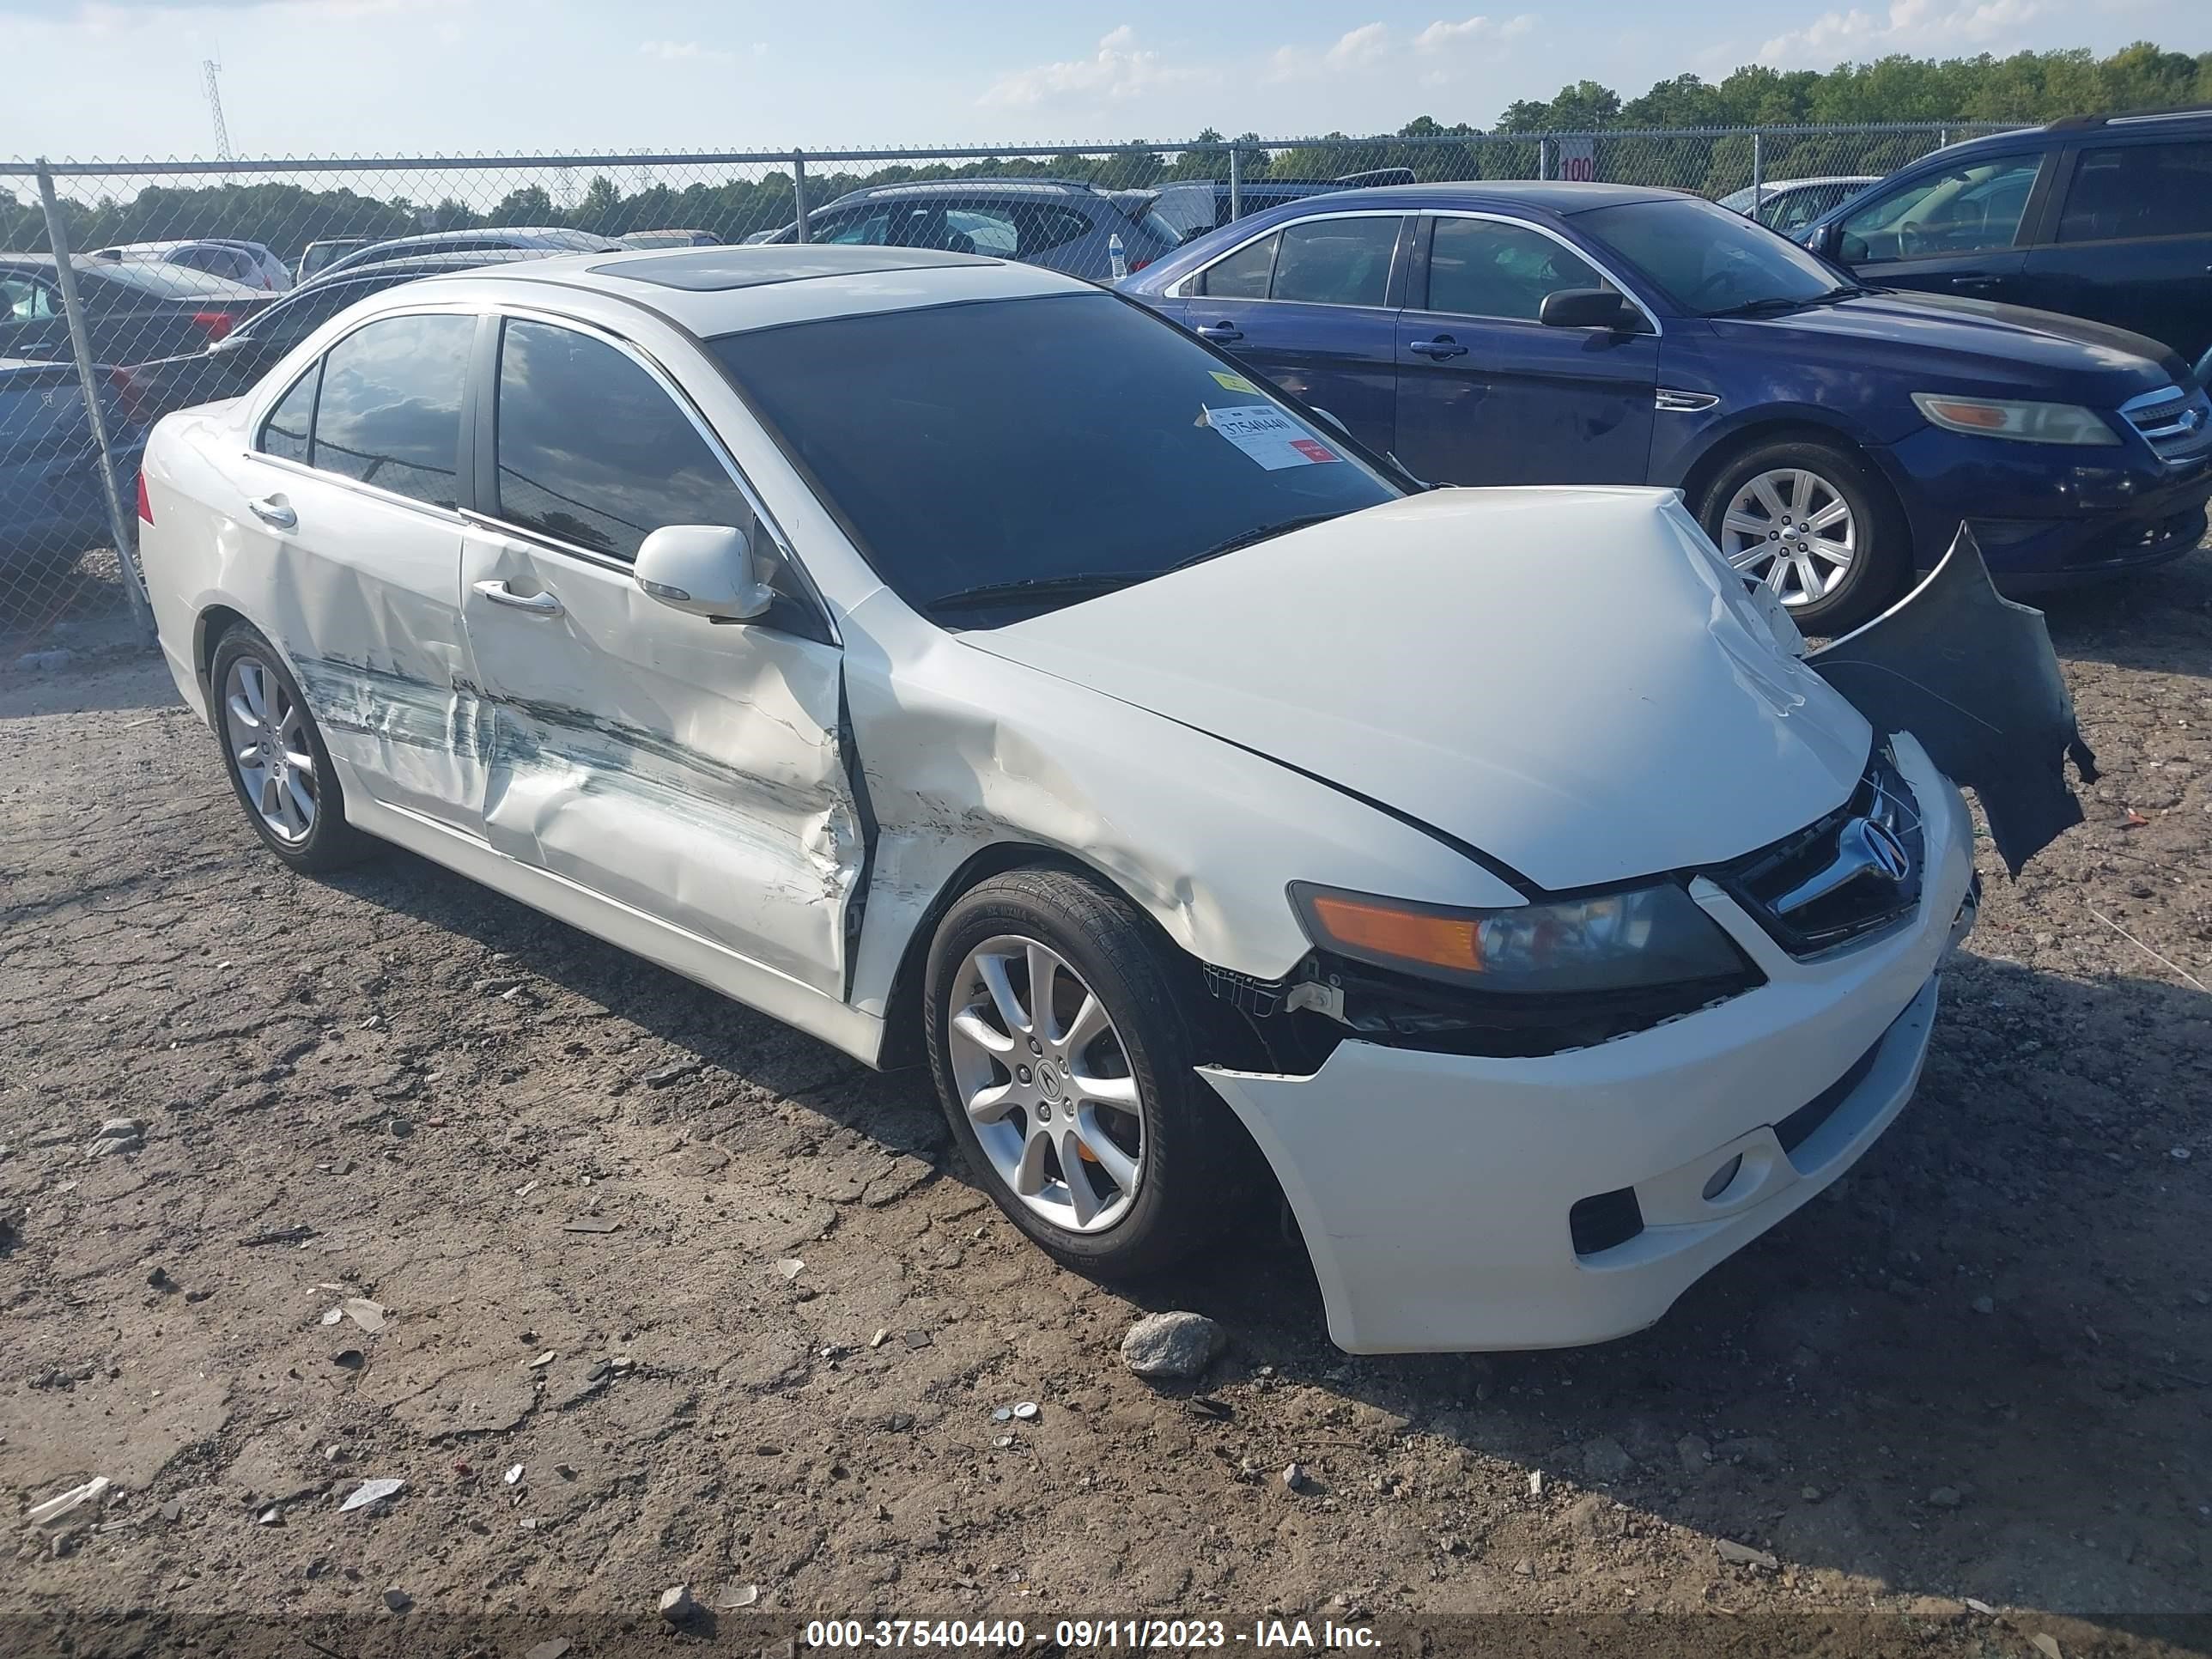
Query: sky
pixel 122 78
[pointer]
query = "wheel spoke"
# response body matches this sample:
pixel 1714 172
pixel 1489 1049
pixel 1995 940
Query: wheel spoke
pixel 1777 575
pixel 1042 967
pixel 990 1104
pixel 1029 1176
pixel 1800 493
pixel 1111 1158
pixel 1745 525
pixel 1075 1174
pixel 1118 1091
pixel 302 799
pixel 1769 498
pixel 254 682
pixel 969 1026
pixel 267 793
pixel 1085 1029
pixel 1834 512
pixel 993 971
pixel 241 712
pixel 1753 560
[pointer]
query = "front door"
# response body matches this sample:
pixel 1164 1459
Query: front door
pixel 350 511
pixel 1489 395
pixel 1311 308
pixel 689 770
pixel 1953 230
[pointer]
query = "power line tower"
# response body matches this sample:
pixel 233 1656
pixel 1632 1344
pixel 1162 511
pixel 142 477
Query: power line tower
pixel 209 68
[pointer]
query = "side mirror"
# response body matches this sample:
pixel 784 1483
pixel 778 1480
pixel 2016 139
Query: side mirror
pixel 707 569
pixel 1589 308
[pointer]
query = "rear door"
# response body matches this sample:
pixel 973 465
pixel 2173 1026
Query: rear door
pixel 1487 393
pixel 1311 305
pixel 693 772
pixel 31 325
pixel 351 509
pixel 2132 245
pixel 1957 229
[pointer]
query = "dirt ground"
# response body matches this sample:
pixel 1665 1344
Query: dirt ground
pixel 576 1186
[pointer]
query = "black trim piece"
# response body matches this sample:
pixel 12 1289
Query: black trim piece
pixel 476 463
pixel 1604 1221
pixel 856 780
pixel 1801 1125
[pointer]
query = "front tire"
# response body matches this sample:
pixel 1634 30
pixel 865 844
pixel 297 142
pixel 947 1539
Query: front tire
pixel 1812 521
pixel 275 756
pixel 1062 1040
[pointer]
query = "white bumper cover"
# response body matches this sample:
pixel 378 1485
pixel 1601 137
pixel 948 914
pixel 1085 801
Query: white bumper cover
pixel 1434 1190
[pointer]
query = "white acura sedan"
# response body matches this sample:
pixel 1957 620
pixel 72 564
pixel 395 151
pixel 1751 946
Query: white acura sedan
pixel 956 661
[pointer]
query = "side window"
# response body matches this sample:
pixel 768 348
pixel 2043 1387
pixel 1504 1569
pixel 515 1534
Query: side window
pixel 2139 189
pixel 996 229
pixel 592 452
pixel 297 316
pixel 285 434
pixel 26 301
pixel 1336 262
pixel 1964 209
pixel 868 228
pixel 1243 274
pixel 1480 267
pixel 390 411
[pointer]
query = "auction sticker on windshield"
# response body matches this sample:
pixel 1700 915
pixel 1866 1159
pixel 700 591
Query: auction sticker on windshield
pixel 1268 435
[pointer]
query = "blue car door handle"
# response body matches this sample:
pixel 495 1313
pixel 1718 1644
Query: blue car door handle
pixel 1438 349
pixel 1218 332
pixel 1973 281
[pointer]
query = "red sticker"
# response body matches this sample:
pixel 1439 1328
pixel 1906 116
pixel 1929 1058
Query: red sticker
pixel 1313 449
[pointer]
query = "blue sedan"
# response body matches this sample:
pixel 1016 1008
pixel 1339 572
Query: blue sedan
pixel 1830 437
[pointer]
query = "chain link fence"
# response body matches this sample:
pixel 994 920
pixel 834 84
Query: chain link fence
pixel 180 281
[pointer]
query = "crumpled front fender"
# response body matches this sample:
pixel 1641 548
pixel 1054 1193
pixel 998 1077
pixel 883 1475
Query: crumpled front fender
pixel 1973 677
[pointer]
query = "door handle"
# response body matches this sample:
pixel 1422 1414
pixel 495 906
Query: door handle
pixel 537 604
pixel 1218 332
pixel 274 509
pixel 1438 349
pixel 1973 281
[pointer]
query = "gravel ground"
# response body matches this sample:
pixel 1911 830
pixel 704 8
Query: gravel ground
pixel 669 1294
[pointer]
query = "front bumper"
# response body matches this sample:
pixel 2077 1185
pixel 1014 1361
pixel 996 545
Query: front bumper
pixel 1435 1191
pixel 2048 517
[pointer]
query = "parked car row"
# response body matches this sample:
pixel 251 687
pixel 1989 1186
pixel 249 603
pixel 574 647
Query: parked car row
pixel 53 504
pixel 874 634
pixel 1830 434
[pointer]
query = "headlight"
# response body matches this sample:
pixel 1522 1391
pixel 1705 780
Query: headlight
pixel 1620 941
pixel 2031 422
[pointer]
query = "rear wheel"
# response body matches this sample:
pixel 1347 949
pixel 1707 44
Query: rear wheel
pixel 275 756
pixel 1809 519
pixel 1059 1036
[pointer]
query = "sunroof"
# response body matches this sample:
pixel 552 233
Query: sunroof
pixel 706 268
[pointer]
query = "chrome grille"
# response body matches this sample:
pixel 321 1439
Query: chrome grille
pixel 2175 423
pixel 1815 889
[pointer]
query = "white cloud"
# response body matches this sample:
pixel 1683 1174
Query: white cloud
pixel 695 51
pixel 1913 26
pixel 1364 45
pixel 1119 69
pixel 1355 49
pixel 1440 35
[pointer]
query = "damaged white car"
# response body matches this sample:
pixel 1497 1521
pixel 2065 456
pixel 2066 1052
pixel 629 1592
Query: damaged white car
pixel 958 662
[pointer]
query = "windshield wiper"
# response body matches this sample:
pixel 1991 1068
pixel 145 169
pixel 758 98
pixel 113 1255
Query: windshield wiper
pixel 1078 585
pixel 1252 538
pixel 1773 304
pixel 1083 585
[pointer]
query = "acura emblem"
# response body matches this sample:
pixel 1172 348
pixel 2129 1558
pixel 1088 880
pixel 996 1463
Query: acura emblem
pixel 1885 853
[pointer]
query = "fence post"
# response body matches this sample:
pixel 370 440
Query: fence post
pixel 1758 170
pixel 120 523
pixel 1942 137
pixel 1235 183
pixel 1543 159
pixel 798 190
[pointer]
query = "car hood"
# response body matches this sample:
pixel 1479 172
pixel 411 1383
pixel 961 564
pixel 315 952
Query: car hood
pixel 1975 346
pixel 1569 680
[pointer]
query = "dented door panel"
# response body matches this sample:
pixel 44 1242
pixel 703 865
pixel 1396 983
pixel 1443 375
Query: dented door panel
pixel 363 594
pixel 689 770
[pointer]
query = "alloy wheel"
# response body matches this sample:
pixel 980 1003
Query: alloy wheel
pixel 266 731
pixel 1046 1083
pixel 1793 530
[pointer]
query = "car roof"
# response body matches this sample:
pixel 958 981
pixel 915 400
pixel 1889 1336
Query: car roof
pixel 973 187
pixel 1552 196
pixel 725 290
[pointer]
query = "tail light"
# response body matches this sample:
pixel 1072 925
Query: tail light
pixel 1136 265
pixel 127 393
pixel 216 324
pixel 145 506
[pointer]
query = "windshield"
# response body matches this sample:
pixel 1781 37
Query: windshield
pixel 1707 261
pixel 1070 443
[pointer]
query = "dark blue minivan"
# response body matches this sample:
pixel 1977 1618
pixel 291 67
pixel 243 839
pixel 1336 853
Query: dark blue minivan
pixel 1831 437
